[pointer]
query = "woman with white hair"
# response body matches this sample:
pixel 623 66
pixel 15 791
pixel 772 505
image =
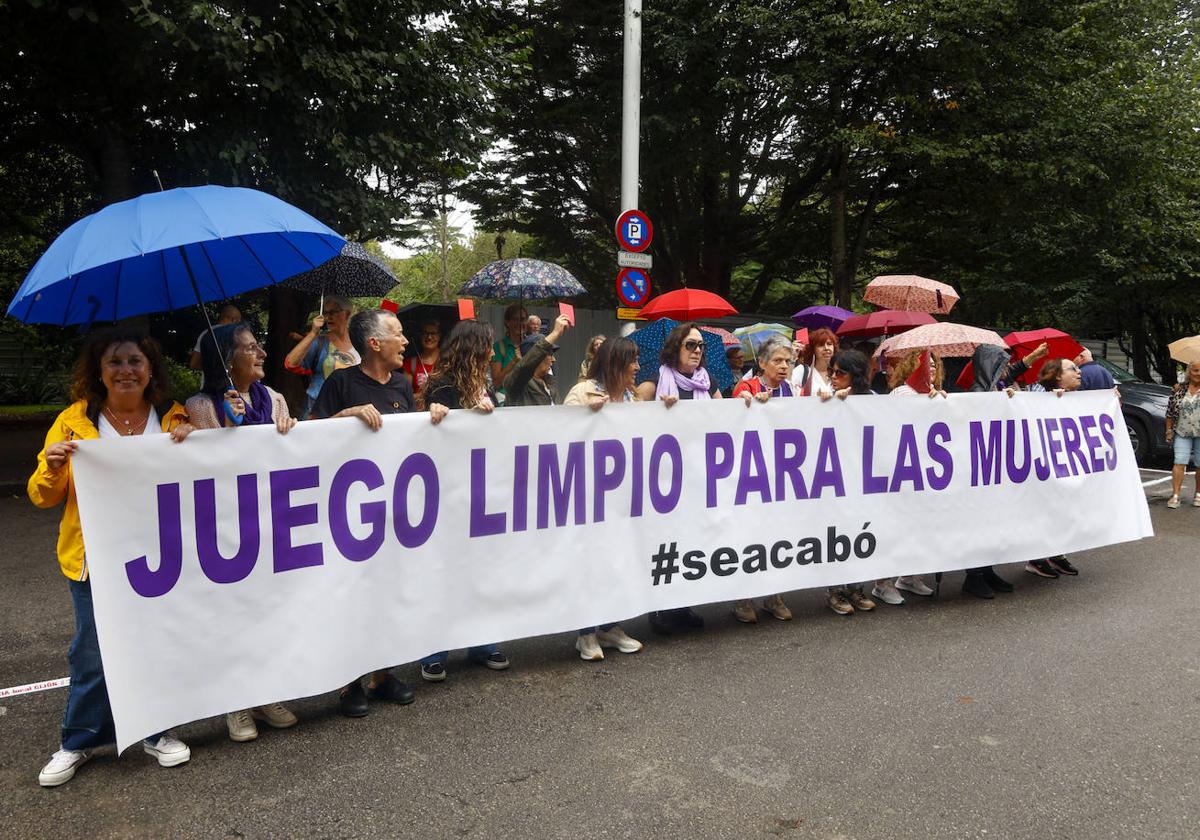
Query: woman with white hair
pixel 775 358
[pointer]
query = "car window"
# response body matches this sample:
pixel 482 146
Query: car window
pixel 1118 373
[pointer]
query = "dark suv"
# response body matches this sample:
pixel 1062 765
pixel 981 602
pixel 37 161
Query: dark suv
pixel 1144 405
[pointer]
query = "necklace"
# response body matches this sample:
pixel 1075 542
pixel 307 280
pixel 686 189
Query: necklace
pixel 130 427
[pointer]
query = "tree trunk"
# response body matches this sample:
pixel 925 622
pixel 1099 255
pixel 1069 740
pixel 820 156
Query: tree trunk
pixel 1141 361
pixel 286 311
pixel 839 265
pixel 115 166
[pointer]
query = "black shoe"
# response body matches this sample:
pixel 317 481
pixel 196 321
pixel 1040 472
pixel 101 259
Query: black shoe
pixel 1062 565
pixel 393 691
pixel 353 701
pixel 660 625
pixel 687 618
pixel 976 584
pixel 433 672
pixel 996 582
pixel 1041 568
pixel 496 661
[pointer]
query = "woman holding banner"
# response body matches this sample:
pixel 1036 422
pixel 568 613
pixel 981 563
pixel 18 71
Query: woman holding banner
pixel 119 388
pixel 775 362
pixel 918 373
pixel 610 378
pixel 238 356
pixel 460 381
pixel 681 376
pixel 849 375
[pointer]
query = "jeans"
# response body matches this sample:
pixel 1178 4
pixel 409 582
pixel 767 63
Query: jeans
pixel 477 652
pixel 1187 448
pixel 589 630
pixel 87 721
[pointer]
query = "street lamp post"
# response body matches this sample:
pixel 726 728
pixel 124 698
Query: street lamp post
pixel 631 105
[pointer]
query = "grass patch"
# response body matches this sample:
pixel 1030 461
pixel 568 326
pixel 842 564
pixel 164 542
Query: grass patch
pixel 29 410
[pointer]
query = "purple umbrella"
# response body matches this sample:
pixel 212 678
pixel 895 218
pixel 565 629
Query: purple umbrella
pixel 816 317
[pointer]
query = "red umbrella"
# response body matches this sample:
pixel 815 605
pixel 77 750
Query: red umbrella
pixel 728 339
pixel 1062 346
pixel 883 322
pixel 687 305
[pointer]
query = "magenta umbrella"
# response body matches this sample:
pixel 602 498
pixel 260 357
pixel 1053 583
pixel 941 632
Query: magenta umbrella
pixel 817 317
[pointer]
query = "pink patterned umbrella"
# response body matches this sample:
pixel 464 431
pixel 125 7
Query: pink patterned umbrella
pixel 908 291
pixel 728 339
pixel 945 339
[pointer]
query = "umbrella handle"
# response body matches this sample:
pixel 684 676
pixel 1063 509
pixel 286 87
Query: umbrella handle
pixel 208 321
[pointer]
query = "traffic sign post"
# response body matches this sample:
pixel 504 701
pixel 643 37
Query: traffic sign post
pixel 634 231
pixel 633 287
pixel 631 259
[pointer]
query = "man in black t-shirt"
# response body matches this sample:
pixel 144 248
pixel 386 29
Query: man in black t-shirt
pixel 368 391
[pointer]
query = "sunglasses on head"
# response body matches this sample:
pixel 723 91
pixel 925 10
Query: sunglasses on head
pixel 693 345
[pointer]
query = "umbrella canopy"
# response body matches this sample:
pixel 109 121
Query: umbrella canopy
pixel 945 339
pixel 522 279
pixel 1186 350
pixel 908 291
pixel 728 339
pixel 687 305
pixel 753 336
pixel 168 250
pixel 650 340
pixel 415 314
pixel 817 317
pixel 883 322
pixel 355 272
pixel 1060 344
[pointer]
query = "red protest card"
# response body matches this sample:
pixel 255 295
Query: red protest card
pixel 568 310
pixel 802 335
pixel 389 305
pixel 466 309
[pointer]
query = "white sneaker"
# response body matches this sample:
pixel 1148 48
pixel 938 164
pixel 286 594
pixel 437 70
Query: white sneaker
pixel 168 749
pixel 914 584
pixel 241 726
pixel 61 767
pixel 589 648
pixel 887 593
pixel 276 715
pixel 618 638
pixel 1173 502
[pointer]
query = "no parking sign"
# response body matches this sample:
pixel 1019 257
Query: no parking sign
pixel 633 286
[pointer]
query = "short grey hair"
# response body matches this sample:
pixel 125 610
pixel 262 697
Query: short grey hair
pixel 343 303
pixel 366 325
pixel 771 346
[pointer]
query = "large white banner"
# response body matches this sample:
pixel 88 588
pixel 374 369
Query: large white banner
pixel 243 567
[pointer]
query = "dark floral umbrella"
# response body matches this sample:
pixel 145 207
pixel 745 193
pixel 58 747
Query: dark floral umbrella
pixel 522 279
pixel 650 342
pixel 355 272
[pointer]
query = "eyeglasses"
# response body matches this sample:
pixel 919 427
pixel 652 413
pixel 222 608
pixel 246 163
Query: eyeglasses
pixel 329 313
pixel 693 345
pixel 253 349
pixel 434 334
pixel 839 372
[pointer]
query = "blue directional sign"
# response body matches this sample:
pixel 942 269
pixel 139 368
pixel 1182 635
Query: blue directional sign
pixel 634 231
pixel 633 286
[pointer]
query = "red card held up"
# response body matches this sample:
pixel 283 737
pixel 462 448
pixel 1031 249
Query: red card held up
pixel 802 335
pixel 389 305
pixel 568 310
pixel 466 309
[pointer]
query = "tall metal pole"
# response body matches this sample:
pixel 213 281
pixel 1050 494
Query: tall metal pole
pixel 631 105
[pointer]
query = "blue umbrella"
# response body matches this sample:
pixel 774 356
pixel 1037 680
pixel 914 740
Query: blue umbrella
pixel 168 250
pixel 522 279
pixel 650 342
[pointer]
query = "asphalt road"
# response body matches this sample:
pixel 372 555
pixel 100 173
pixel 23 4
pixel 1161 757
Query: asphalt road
pixel 1065 710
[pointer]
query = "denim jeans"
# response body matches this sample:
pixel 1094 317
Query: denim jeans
pixel 477 652
pixel 88 720
pixel 1186 449
pixel 589 630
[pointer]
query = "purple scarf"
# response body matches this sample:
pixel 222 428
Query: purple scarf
pixel 671 380
pixel 258 409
